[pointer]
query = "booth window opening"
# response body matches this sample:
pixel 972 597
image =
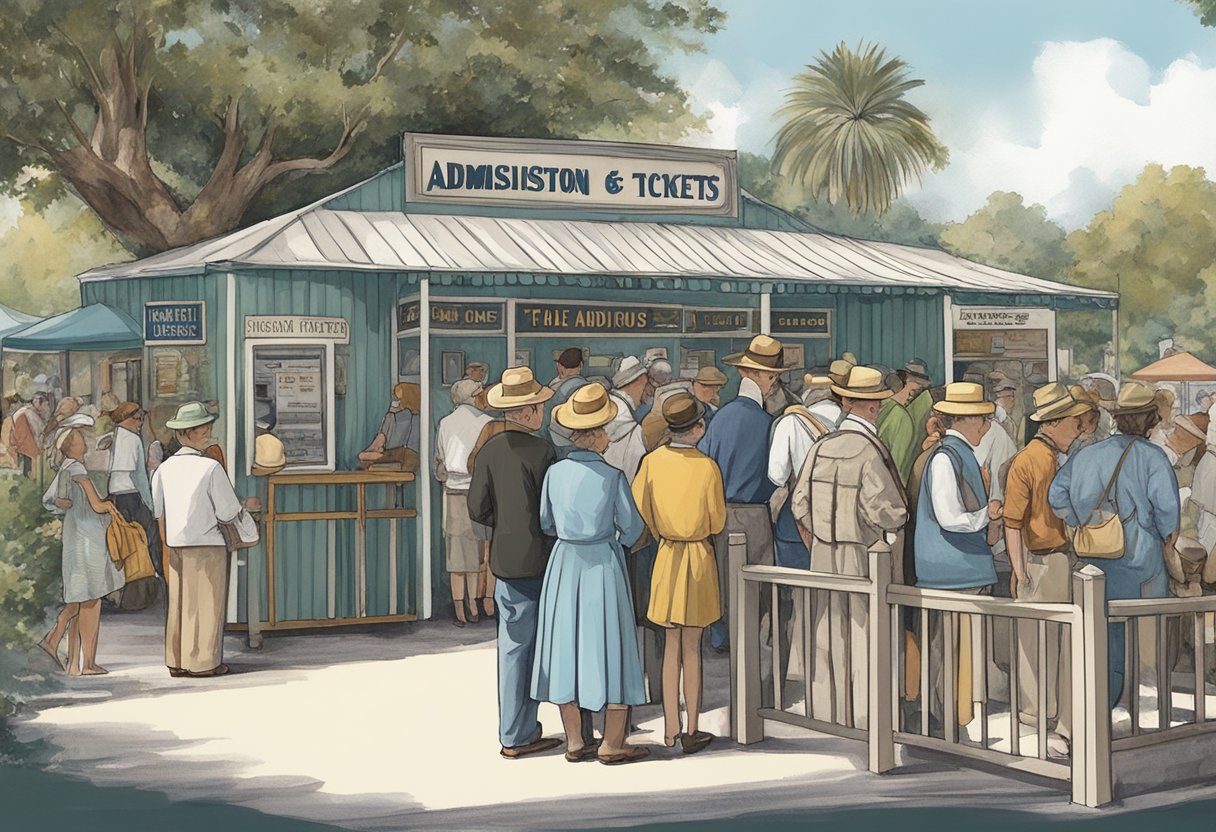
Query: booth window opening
pixel 293 398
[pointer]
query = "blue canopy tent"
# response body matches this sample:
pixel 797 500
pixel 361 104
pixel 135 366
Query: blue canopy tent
pixel 91 328
pixel 11 320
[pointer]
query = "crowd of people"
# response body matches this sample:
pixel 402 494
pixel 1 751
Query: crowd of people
pixel 979 488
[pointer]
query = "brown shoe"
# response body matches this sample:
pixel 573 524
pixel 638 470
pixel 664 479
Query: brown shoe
pixel 587 752
pixel 630 755
pixel 218 670
pixel 692 743
pixel 177 672
pixel 534 747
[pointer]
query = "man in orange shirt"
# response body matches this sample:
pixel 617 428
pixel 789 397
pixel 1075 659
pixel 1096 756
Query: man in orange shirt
pixel 1041 555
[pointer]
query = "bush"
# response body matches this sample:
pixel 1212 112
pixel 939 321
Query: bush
pixel 30 581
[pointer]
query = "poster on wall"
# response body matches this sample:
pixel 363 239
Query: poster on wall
pixel 165 373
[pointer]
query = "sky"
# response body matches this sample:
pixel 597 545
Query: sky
pixel 1063 102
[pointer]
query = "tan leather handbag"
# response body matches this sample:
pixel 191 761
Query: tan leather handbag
pixel 1103 540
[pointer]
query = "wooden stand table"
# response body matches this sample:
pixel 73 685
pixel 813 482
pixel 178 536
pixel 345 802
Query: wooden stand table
pixel 360 480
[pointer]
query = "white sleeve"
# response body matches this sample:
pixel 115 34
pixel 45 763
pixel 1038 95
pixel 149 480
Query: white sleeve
pixel 158 495
pixel 227 505
pixel 948 502
pixel 779 453
pixel 124 455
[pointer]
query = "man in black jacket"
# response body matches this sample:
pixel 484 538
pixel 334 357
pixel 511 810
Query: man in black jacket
pixel 505 494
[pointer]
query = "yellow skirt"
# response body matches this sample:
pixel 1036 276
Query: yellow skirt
pixel 684 586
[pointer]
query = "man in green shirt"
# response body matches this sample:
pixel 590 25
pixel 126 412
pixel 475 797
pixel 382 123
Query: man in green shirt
pixel 895 426
pixel 920 400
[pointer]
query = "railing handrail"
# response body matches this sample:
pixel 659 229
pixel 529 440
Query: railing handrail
pixel 804 578
pixel 947 601
pixel 1132 608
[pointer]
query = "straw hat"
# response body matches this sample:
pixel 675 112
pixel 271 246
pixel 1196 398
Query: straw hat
pixel 589 408
pixel 763 353
pixel 1055 401
pixel 269 457
pixel 630 370
pixel 124 411
pixel 710 377
pixel 1134 398
pixel 863 383
pixel 965 398
pixel 518 388
pixel 838 370
pixel 191 415
pixel 682 411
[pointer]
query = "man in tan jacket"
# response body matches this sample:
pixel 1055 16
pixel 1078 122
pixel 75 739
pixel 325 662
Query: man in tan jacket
pixel 848 496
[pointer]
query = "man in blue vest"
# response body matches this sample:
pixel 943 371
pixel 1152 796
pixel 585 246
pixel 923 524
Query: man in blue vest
pixel 953 514
pixel 737 440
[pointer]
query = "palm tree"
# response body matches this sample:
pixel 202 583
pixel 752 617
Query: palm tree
pixel 849 133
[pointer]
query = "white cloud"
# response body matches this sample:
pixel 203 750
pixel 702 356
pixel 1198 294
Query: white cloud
pixel 1098 116
pixel 739 116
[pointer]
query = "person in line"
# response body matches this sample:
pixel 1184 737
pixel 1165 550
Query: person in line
pixel 477 371
pixel 587 651
pixel 1128 475
pixel 89 573
pixel 1204 400
pixel 29 421
pixel 895 426
pixel 952 545
pixel 654 426
pixel 631 387
pixel 457 433
pixel 1005 392
pixel 1040 553
pixel 679 493
pixel 920 407
pixel 707 386
pixel 737 440
pixel 504 494
pixel 130 486
pixel 568 379
pixel 191 498
pixel 396 442
pixel 848 497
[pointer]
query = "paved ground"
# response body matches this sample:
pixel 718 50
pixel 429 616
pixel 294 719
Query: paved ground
pixel 396 728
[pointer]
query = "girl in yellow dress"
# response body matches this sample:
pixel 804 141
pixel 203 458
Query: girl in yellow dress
pixel 678 491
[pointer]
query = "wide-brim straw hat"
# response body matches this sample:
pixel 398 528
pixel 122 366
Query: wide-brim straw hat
pixel 1134 398
pixel 269 456
pixel 682 411
pixel 518 388
pixel 838 371
pixel 763 353
pixel 191 415
pixel 590 407
pixel 863 383
pixel 1055 401
pixel 710 377
pixel 965 398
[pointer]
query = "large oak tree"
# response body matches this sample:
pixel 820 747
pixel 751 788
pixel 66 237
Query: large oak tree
pixel 176 120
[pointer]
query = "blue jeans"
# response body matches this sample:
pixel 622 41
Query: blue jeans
pixel 518 602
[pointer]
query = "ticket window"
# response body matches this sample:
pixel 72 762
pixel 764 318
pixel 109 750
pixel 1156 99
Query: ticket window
pixel 292 392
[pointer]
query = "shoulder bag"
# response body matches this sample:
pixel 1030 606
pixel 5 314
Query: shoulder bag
pixel 1103 540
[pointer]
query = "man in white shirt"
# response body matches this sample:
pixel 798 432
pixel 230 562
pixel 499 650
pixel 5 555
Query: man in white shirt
pixel 191 498
pixel 129 486
pixel 630 388
pixel 457 434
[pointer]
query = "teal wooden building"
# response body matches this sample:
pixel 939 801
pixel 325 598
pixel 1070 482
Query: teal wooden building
pixel 506 252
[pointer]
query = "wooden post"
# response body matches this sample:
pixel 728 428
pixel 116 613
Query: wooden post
pixel 1091 752
pixel 271 606
pixel 745 647
pixel 880 734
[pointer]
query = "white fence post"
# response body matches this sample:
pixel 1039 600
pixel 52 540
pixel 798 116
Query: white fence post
pixel 1091 750
pixel 880 735
pixel 745 719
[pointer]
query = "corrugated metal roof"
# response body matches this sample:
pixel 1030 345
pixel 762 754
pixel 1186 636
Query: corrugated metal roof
pixel 315 237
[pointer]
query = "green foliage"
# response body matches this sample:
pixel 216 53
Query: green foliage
pixel 1009 234
pixel 45 249
pixel 30 562
pixel 900 224
pixel 206 113
pixel 850 135
pixel 1206 9
pixel 1157 247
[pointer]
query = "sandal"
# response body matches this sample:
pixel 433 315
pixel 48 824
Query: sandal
pixel 587 752
pixel 630 755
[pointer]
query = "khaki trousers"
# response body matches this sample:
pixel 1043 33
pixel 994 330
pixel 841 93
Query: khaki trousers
pixel 1048 579
pixel 968 661
pixel 840 632
pixel 197 578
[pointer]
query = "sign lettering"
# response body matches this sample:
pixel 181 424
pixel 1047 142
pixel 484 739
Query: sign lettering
pixel 570 174
pixel 297 326
pixel 473 317
pixel 717 320
pixel 801 321
pixel 574 318
pixel 175 322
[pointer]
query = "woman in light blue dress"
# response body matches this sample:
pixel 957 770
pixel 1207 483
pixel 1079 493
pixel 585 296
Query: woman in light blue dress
pixel 586 648
pixel 89 574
